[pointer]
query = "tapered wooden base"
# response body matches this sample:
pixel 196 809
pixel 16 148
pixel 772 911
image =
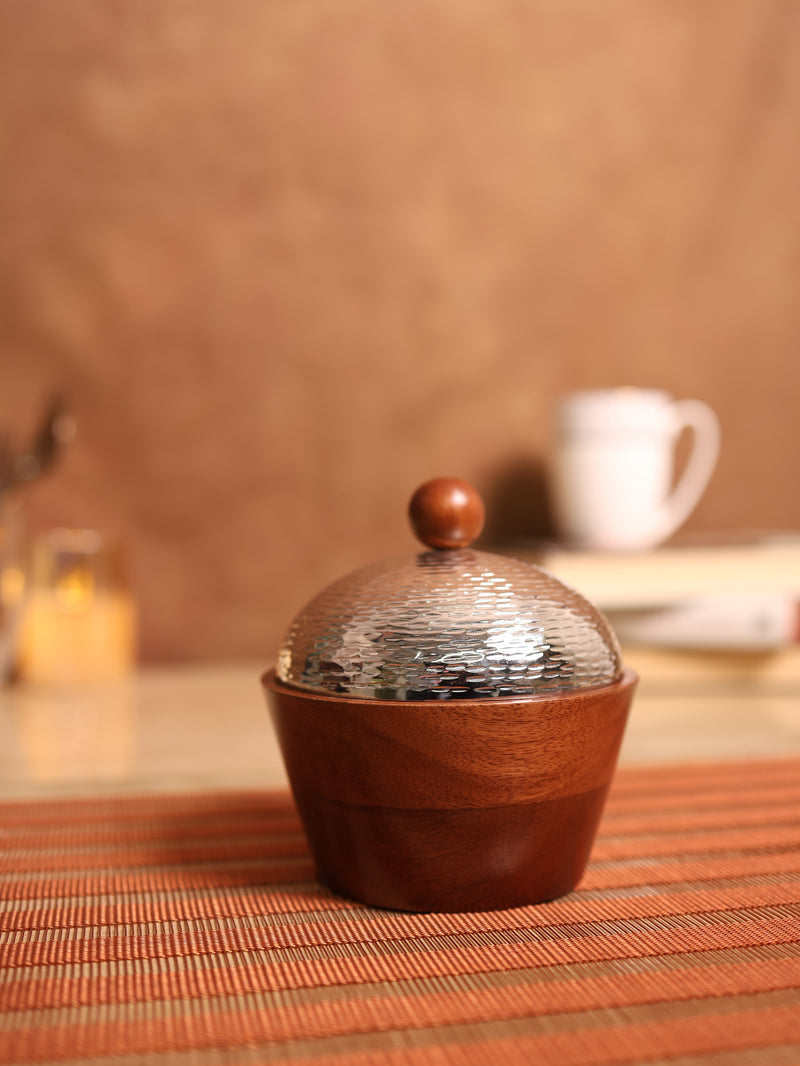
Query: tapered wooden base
pixel 453 806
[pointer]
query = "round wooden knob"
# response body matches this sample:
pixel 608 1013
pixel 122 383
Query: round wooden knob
pixel 446 513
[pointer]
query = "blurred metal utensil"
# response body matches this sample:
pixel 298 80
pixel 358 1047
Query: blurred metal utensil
pixel 56 429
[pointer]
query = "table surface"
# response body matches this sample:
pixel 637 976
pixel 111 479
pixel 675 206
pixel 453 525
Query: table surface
pixel 206 727
pixel 157 898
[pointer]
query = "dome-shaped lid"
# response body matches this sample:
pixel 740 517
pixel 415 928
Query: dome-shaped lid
pixel 448 623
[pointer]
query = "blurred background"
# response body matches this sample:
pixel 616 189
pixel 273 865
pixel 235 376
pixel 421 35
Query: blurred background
pixel 286 261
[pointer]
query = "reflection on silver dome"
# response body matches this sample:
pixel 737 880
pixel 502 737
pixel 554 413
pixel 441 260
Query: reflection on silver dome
pixel 448 625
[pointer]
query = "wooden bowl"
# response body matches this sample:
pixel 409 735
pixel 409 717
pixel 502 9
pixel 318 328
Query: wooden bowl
pixel 454 805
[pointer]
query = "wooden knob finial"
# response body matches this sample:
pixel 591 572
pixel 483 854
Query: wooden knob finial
pixel 446 513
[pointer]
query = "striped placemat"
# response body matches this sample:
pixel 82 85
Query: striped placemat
pixel 189 929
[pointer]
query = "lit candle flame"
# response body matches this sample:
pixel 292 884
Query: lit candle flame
pixel 75 588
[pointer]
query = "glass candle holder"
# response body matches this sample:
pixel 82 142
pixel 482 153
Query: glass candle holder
pixel 12 583
pixel 79 623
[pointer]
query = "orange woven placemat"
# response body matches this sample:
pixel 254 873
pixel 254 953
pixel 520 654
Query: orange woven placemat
pixel 189 929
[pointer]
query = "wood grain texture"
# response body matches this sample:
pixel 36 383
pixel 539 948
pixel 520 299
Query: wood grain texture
pixel 290 260
pixel 476 859
pixel 450 753
pixel 454 805
pixel 447 512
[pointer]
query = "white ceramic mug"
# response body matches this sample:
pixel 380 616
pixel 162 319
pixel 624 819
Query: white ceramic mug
pixel 614 466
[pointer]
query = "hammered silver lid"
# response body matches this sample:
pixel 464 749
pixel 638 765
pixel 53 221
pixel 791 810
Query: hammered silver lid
pixel 448 623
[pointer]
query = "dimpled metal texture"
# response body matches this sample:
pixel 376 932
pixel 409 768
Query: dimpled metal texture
pixel 448 625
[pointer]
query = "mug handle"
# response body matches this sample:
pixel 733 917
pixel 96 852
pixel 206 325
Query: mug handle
pixel 699 417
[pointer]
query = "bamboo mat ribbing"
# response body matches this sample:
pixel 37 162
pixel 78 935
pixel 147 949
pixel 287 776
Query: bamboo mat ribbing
pixel 188 929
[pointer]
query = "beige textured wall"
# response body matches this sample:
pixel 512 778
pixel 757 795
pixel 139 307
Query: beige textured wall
pixel 289 259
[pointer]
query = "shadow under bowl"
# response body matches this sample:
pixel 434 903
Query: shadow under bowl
pixel 458 805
